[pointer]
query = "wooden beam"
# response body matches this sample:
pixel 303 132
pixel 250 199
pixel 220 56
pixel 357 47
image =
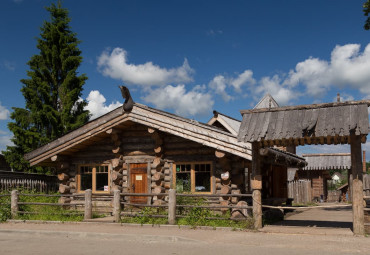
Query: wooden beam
pixel 357 186
pixel 256 186
pixel 219 154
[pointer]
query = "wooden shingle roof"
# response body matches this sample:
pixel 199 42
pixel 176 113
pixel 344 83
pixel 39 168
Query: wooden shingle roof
pixel 327 161
pixel 305 124
pixel 230 124
pixel 163 121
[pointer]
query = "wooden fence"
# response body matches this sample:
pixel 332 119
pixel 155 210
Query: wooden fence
pixel 300 191
pixel 366 184
pixel 26 181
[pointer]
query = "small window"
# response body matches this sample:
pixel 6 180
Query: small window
pixel 95 178
pixel 193 177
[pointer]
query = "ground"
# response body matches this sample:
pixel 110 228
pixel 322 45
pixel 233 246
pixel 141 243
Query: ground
pixel 110 238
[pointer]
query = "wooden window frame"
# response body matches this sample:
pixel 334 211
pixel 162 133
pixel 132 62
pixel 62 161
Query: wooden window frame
pixel 93 189
pixel 192 174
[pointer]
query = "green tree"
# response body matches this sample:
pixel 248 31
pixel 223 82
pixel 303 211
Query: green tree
pixel 366 13
pixel 52 91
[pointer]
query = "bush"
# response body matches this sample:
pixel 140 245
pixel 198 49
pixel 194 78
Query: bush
pixel 4 207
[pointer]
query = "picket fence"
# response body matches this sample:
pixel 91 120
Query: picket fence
pixel 26 181
pixel 300 191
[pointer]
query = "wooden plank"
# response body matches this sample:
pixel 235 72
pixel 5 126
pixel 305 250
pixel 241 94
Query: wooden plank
pixel 353 117
pixel 363 119
pixel 271 127
pixel 265 126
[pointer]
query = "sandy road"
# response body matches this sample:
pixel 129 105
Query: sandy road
pixel 95 238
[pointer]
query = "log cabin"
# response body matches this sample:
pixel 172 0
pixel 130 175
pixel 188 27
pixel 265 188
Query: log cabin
pixel 139 149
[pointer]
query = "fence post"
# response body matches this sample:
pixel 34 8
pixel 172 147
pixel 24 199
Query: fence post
pixel 117 206
pixel 14 203
pixel 88 204
pixel 172 207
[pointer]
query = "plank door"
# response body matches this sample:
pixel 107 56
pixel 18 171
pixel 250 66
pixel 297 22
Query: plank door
pixel 138 177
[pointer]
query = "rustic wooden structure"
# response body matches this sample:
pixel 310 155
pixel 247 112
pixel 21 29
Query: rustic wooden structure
pixel 331 123
pixel 318 167
pixel 28 181
pixel 142 150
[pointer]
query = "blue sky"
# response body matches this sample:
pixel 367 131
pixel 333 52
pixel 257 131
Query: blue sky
pixel 190 57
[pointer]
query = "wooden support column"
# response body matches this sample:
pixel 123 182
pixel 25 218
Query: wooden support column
pixel 172 207
pixel 256 185
pixel 14 203
pixel 88 204
pixel 357 186
pixel 117 206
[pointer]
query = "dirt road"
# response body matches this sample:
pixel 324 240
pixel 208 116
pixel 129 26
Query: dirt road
pixel 95 238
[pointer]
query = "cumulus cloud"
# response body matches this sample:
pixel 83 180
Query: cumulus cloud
pixel 272 85
pixel 244 78
pixel 97 106
pixel 219 84
pixel 348 67
pixel 4 113
pixel 195 102
pixel 115 65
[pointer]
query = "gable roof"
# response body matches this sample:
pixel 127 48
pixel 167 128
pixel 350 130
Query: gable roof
pixel 230 124
pixel 267 102
pixel 327 161
pixel 163 121
pixel 317 123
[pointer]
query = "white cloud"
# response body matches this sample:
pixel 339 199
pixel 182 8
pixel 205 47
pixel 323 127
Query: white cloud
pixel 191 103
pixel 116 66
pixel 348 67
pixel 212 32
pixel 344 97
pixel 220 83
pixel 244 78
pixel 96 104
pixel 272 85
pixel 17 1
pixel 4 113
pixel 9 65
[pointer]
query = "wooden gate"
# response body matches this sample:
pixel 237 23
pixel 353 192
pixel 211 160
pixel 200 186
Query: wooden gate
pixel 138 177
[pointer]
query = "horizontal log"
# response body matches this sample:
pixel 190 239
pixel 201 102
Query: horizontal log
pixel 157 183
pixel 116 176
pixel 225 176
pixel 63 177
pixel 219 154
pixel 64 189
pixel 116 162
pixel 158 176
pixel 73 185
pixel 157 162
pixel 124 172
pixel 116 149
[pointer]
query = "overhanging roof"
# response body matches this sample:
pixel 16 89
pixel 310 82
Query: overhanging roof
pixel 327 161
pixel 168 123
pixel 305 124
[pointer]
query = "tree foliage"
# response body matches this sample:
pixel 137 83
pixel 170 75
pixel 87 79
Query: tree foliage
pixel 52 91
pixel 366 13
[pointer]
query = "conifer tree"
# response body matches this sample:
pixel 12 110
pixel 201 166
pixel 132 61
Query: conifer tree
pixel 52 90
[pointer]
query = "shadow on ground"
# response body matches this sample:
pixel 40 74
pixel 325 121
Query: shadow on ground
pixel 314 223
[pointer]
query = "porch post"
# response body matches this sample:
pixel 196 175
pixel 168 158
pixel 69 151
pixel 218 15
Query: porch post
pixel 117 206
pixel 14 203
pixel 357 187
pixel 256 185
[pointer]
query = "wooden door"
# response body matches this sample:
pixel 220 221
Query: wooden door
pixel 138 177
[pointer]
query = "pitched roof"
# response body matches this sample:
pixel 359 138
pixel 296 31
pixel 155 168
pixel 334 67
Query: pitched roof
pixel 327 161
pixel 166 122
pixel 318 123
pixel 266 102
pixel 230 124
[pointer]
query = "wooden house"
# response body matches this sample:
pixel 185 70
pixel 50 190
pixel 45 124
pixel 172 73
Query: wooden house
pixel 144 150
pixel 317 170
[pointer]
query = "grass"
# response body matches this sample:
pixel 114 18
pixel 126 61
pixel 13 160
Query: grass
pixel 193 217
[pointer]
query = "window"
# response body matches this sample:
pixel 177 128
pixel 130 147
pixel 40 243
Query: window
pixel 192 177
pixel 93 177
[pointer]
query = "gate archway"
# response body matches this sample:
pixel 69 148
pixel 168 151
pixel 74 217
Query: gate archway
pixel 329 123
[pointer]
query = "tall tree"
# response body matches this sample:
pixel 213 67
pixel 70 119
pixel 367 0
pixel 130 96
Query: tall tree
pixel 366 13
pixel 52 90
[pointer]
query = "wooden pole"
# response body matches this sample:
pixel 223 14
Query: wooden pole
pixel 14 203
pixel 172 207
pixel 117 206
pixel 357 186
pixel 256 185
pixel 88 204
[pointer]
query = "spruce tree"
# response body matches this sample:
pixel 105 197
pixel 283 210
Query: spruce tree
pixel 52 91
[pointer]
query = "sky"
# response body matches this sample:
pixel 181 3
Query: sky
pixel 192 57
